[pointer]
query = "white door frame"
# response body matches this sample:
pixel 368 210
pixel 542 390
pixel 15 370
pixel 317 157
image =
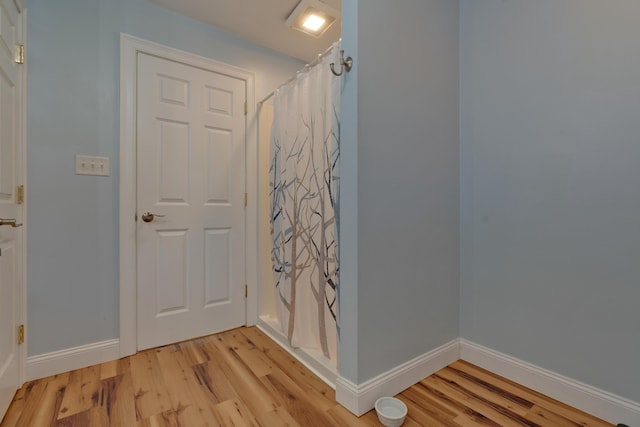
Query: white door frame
pixel 21 303
pixel 129 48
pixel 22 352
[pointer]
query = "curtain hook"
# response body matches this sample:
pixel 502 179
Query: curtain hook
pixel 345 64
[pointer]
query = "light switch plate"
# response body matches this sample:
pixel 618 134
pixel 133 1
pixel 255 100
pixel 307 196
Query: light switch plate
pixel 92 165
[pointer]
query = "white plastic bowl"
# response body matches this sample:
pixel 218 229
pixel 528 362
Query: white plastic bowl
pixel 391 411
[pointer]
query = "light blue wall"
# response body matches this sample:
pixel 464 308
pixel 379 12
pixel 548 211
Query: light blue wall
pixel 550 143
pixel 404 301
pixel 348 290
pixel 73 108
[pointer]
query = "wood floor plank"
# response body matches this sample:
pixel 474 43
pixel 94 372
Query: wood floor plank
pixel 246 384
pixel 42 407
pixel 323 398
pixel 428 400
pixel 81 393
pixel 242 378
pixel 164 419
pixel 299 404
pixel 465 415
pixel 370 417
pixel 114 368
pixel 479 420
pixel 536 398
pixel 255 358
pixel 94 417
pixel 503 383
pixel 343 418
pixel 496 413
pixel 545 417
pixel 193 352
pixel 302 376
pixel 117 400
pixel 191 406
pixel 424 419
pixel 17 405
pixel 211 376
pixel 279 417
pixel 493 396
pixel 109 369
pixel 579 417
pixel 234 413
pixel 425 410
pixel 150 391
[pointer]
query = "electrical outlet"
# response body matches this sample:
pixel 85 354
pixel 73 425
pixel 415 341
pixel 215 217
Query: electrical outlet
pixel 92 165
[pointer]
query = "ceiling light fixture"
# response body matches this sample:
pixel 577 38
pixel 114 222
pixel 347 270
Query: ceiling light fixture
pixel 314 22
pixel 312 17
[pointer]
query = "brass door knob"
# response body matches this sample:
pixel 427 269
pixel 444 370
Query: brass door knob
pixel 148 216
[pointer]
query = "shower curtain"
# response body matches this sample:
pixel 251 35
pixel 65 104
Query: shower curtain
pixel 304 197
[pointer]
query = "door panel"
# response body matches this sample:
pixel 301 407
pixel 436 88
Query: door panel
pixel 172 280
pixel 217 266
pixel 219 146
pixel 8 324
pixel 191 154
pixel 11 246
pixel 173 168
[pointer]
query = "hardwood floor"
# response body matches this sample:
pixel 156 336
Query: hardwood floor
pixel 242 378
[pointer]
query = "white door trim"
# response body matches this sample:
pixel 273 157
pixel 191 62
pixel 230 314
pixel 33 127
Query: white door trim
pixel 22 362
pixel 129 48
pixel 17 12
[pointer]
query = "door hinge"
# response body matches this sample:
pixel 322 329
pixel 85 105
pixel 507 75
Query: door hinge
pixel 19 55
pixel 246 199
pixel 246 108
pixel 246 291
pixel 21 334
pixel 20 194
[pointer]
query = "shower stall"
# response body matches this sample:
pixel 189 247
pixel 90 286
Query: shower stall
pixel 299 161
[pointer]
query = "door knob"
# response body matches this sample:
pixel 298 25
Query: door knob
pixel 148 216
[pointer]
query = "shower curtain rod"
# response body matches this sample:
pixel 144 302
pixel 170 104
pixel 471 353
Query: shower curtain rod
pixel 306 68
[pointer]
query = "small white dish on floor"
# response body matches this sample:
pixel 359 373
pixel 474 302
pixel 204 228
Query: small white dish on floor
pixel 391 411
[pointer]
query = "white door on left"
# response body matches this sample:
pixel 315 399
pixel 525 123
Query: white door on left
pixel 11 238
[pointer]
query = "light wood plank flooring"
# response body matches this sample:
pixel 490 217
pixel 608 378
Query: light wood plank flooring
pixel 242 378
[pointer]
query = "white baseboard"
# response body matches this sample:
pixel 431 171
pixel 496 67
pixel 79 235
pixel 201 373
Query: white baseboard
pixel 56 362
pixel 360 398
pixel 320 368
pixel 602 404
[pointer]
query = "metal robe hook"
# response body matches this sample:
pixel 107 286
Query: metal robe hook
pixel 345 65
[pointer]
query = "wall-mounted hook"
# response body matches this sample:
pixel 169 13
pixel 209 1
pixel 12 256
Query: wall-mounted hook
pixel 345 64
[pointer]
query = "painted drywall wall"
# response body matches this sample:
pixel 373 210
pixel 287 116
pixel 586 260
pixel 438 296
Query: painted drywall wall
pixel 407 184
pixel 73 108
pixel 550 159
pixel 348 226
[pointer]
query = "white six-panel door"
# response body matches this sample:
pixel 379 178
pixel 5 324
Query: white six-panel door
pixel 11 238
pixel 191 128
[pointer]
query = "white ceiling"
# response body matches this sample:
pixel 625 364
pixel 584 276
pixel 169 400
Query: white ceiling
pixel 261 21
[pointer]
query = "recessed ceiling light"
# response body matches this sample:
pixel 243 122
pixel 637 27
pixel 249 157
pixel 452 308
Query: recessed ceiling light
pixel 314 22
pixel 312 17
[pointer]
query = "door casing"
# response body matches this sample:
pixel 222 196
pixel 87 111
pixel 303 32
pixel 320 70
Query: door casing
pixel 129 48
pixel 20 303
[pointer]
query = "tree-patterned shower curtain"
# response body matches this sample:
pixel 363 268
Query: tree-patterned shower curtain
pixel 304 194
